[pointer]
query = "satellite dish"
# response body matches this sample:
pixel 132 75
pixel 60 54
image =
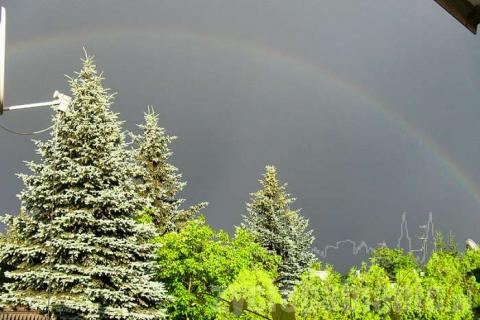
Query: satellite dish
pixel 3 35
pixel 472 245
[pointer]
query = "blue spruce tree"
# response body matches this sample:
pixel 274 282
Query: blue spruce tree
pixel 280 230
pixel 79 252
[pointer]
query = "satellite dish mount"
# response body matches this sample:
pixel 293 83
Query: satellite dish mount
pixel 60 101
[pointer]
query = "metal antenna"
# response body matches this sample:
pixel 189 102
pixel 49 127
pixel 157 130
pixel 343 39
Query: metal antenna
pixel 60 101
pixel 424 239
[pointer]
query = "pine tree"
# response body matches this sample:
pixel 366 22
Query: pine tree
pixel 280 230
pixel 158 181
pixel 11 235
pixel 78 250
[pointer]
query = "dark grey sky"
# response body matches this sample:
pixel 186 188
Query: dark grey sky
pixel 309 86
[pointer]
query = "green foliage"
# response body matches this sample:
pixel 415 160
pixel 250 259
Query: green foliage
pixel 393 260
pixel 10 237
pixel 446 290
pixel 316 299
pixel 364 294
pixel 78 250
pixel 445 295
pixel 471 270
pixel 197 263
pixel 158 181
pixel 368 293
pixel 257 288
pixel 408 298
pixel 449 246
pixel 280 230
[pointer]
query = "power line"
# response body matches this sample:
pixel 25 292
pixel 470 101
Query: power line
pixel 25 133
pixel 246 309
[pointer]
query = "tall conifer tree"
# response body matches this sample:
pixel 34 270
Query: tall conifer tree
pixel 78 250
pixel 158 181
pixel 279 229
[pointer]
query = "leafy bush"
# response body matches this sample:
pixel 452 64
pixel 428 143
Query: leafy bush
pixel 257 288
pixel 316 299
pixel 393 260
pixel 197 263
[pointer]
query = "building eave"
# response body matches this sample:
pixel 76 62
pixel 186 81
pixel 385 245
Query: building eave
pixel 467 12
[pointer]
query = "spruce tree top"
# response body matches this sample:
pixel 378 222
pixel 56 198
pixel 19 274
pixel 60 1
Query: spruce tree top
pixel 279 229
pixel 81 254
pixel 158 181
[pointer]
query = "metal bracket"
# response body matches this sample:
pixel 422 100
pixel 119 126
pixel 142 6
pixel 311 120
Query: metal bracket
pixel 62 101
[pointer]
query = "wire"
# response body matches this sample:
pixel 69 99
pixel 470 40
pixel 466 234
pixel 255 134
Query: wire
pixel 25 133
pixel 247 310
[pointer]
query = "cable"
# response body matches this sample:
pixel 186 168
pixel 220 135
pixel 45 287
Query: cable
pixel 247 310
pixel 25 133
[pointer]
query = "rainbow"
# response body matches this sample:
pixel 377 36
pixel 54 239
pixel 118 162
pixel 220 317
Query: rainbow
pixel 264 53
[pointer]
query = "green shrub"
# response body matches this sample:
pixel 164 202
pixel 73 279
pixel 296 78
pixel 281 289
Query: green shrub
pixel 257 288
